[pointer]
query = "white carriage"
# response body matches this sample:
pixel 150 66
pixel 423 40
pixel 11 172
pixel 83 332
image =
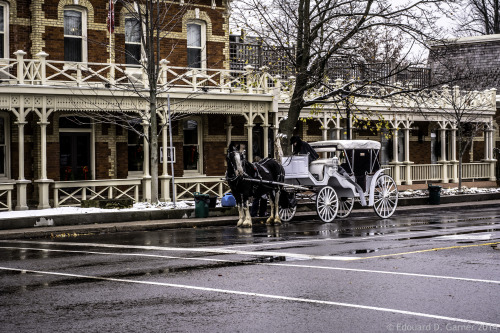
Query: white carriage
pixel 349 172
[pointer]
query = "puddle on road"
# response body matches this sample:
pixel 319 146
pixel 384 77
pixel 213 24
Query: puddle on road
pixel 364 251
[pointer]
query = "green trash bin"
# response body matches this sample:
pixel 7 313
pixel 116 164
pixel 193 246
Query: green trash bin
pixel 434 194
pixel 201 204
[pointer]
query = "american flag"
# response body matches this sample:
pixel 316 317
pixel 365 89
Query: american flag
pixel 111 17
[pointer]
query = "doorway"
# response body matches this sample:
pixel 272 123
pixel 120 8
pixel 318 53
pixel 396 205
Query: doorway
pixel 74 156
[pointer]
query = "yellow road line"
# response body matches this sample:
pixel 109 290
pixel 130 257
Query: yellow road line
pixel 428 250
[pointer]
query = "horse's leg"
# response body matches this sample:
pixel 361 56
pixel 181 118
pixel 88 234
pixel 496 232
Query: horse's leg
pixel 275 203
pixel 248 218
pixel 270 219
pixel 241 214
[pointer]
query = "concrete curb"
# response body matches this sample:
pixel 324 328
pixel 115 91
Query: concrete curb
pixel 92 223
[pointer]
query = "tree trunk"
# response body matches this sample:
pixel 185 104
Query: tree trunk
pixel 154 147
pixel 287 126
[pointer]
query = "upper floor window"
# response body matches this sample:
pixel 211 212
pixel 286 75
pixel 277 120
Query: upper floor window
pixel 75 35
pixel 196 44
pixel 132 41
pixel 4 27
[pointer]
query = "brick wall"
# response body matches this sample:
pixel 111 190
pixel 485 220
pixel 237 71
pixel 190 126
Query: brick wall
pixel 214 158
pixel 102 153
pixel 47 31
pixel 121 160
pixel 420 152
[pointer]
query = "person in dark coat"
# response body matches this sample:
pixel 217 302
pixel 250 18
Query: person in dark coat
pixel 302 147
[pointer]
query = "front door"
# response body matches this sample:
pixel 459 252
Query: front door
pixel 75 156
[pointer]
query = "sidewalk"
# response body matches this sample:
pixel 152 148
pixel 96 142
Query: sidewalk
pixel 126 221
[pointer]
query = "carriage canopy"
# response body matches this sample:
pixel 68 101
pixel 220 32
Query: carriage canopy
pixel 346 144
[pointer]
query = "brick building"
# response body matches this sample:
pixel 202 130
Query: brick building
pixel 58 73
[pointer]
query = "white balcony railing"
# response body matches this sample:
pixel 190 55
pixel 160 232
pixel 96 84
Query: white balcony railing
pixel 72 193
pixel 6 196
pixel 42 71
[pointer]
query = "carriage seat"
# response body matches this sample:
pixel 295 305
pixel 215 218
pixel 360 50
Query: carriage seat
pixel 317 168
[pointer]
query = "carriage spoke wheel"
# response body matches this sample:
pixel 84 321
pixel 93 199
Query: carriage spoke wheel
pixel 286 214
pixel 327 204
pixel 385 196
pixel 345 207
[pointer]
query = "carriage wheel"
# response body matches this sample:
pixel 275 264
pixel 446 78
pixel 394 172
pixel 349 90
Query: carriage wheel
pixel 327 204
pixel 345 207
pixel 385 196
pixel 286 214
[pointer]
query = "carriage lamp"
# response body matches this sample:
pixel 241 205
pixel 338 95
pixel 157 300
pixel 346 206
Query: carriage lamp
pixel 335 161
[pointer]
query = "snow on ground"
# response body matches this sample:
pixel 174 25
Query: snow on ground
pixel 142 206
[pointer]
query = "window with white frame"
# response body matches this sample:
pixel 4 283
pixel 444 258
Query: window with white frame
pixel 132 41
pixel 75 35
pixel 4 30
pixel 4 146
pixel 196 41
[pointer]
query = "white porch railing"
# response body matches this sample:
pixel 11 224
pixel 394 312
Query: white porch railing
pixel 426 172
pixel 6 196
pixel 186 186
pixel 434 172
pixel 475 170
pixel 42 71
pixel 71 193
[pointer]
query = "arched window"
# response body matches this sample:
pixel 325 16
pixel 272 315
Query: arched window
pixel 75 34
pixel 196 44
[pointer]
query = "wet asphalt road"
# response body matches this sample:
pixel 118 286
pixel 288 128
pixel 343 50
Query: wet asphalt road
pixel 437 272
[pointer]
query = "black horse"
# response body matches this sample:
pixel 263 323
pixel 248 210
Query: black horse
pixel 244 179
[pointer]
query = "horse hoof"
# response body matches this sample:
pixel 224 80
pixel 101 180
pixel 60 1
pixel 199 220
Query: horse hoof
pixel 247 225
pixel 240 223
pixel 270 221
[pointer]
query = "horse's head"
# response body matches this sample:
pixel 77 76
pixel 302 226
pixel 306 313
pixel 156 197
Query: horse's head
pixel 234 159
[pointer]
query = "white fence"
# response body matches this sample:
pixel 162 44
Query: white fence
pixel 72 193
pixel 6 196
pixel 186 186
pixel 434 172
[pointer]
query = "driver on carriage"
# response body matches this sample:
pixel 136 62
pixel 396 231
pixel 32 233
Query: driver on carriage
pixel 302 147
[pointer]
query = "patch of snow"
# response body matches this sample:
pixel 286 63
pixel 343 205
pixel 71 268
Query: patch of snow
pixel 140 206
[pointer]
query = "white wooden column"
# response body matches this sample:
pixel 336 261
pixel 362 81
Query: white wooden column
pixel 265 128
pixel 453 156
pixel 407 161
pixel 266 140
pixel 21 183
pixel 43 182
pixel 165 177
pixel 250 142
pixel 488 150
pixel 443 160
pixel 395 153
pixel 338 129
pixel 146 178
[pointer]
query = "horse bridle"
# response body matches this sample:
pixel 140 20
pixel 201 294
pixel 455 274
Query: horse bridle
pixel 230 158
